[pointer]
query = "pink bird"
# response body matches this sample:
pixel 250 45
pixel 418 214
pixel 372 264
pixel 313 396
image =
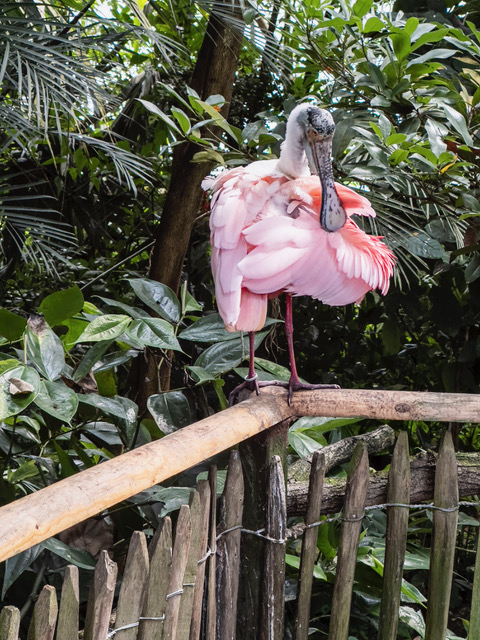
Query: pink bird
pixel 276 228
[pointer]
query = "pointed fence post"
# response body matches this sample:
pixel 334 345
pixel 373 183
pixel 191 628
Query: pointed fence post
pixel 353 512
pixel 212 560
pixel 10 623
pixel 132 591
pixel 273 599
pixel 256 455
pixel 396 538
pixel 309 545
pixel 228 549
pixel 100 598
pixel 203 489
pixel 68 616
pixel 181 548
pixel 42 625
pixel 160 550
pixel 442 554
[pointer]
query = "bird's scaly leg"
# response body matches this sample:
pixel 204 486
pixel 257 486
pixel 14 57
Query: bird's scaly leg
pixel 295 384
pixel 251 381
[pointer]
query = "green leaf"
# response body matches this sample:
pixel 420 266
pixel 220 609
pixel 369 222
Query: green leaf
pixel 93 355
pixel 302 444
pixel 44 348
pixel 61 305
pixel 411 25
pixel 294 561
pixel 78 557
pixel 107 327
pixel 158 297
pixel 223 356
pixel 182 119
pixel 472 272
pixel 170 410
pixel 123 410
pixel 154 332
pixel 401 45
pixel 276 370
pixel 163 116
pixel 373 24
pixel 362 7
pixel 420 244
pixel 15 566
pixel 26 470
pixel 10 404
pixel 200 375
pixel 209 328
pixel 56 399
pixel 377 75
pixel 396 138
pixel 458 123
pixel 126 308
pixel 12 325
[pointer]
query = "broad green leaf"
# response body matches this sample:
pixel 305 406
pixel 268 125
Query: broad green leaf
pixel 401 45
pixel 75 328
pixel 472 272
pixel 223 356
pixel 61 305
pixel 294 561
pixel 78 557
pixel 56 399
pixel 373 24
pixel 170 410
pixel 302 444
pixel 107 327
pixel 413 619
pixel 11 363
pixel 93 355
pixel 182 119
pixel 362 7
pixel 134 312
pixel 15 566
pixel 276 370
pixel 457 121
pixel 10 404
pixel 420 244
pixel 411 25
pixel 163 116
pixel 158 297
pixel 115 359
pixel 12 325
pixel 434 54
pixel 209 328
pixel 376 74
pixel 123 410
pixel 200 375
pixel 44 348
pixel 26 470
pixel 154 332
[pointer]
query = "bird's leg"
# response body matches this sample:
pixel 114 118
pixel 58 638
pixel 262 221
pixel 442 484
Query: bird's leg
pixel 251 382
pixel 295 384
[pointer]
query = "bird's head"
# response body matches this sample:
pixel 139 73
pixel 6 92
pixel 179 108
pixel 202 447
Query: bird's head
pixel 313 129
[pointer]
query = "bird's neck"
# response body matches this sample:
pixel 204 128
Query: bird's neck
pixel 293 160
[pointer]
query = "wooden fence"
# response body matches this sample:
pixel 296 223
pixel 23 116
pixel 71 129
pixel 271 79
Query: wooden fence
pixel 222 575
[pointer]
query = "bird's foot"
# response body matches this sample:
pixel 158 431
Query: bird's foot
pixel 297 385
pixel 294 384
pixel 250 384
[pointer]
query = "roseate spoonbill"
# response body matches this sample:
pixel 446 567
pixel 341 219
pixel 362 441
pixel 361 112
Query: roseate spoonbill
pixel 277 228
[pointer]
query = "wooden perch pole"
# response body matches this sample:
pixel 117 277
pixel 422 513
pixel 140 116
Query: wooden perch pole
pixel 39 516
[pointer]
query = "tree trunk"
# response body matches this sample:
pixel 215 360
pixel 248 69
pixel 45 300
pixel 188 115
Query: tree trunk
pixel 214 73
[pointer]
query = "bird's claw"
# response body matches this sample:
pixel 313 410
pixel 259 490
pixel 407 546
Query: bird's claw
pixel 250 384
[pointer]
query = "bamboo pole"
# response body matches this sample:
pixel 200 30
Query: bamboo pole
pixel 39 516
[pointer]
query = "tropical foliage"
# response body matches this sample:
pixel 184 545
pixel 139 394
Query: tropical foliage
pixel 95 99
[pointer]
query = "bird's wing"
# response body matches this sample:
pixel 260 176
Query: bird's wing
pixel 239 196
